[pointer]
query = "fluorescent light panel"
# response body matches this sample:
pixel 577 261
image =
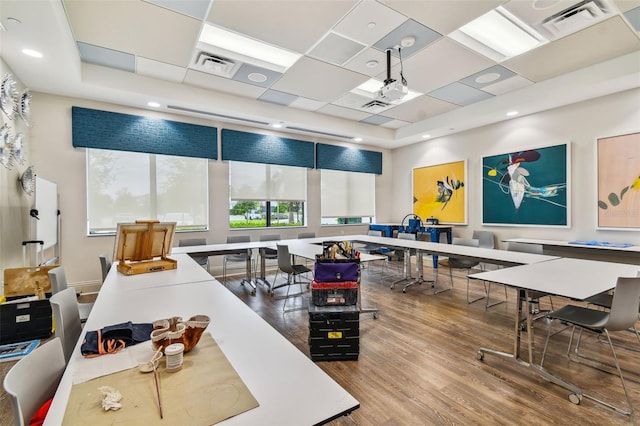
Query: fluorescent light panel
pixel 233 42
pixel 503 32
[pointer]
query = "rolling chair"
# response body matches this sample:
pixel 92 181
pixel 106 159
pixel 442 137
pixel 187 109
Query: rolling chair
pixel 242 256
pixel 622 316
pixel 461 263
pixel 201 260
pixel 293 271
pixel 58 280
pixel 66 317
pixel 105 265
pixel 486 239
pixel 33 380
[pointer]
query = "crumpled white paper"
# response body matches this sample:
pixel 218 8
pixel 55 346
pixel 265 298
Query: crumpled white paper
pixel 110 398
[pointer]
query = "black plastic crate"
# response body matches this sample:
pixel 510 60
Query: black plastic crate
pixel 23 321
pixel 334 333
pixel 334 293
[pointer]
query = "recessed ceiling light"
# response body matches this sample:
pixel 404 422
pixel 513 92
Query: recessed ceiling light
pixel 371 25
pixel 512 113
pixel 32 53
pixel 257 77
pixel 277 125
pixel 499 35
pixel 358 139
pixel 153 104
pixel 372 63
pixel 426 136
pixel 248 47
pixel 408 41
pixel 487 78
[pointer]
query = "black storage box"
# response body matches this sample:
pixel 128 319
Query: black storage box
pixel 334 293
pixel 334 332
pixel 23 321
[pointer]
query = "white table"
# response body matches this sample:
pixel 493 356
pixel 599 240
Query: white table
pixel 289 387
pixel 572 278
pixel 610 253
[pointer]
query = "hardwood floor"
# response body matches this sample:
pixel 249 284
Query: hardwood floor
pixel 417 363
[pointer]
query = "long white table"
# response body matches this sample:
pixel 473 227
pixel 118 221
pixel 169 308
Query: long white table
pixel 289 387
pixel 576 279
pixel 610 253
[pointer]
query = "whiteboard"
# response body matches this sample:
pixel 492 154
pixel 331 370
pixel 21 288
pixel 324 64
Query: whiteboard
pixel 46 203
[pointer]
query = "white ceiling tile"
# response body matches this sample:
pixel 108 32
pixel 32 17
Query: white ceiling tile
pixel 117 25
pixel 369 21
pixel 395 124
pixel 160 70
pixel 307 104
pixel 359 63
pixel 295 25
pixel 336 49
pixel 439 64
pixel 504 86
pixel 606 40
pixel 221 84
pixel 419 109
pixel 443 16
pixel 318 80
pixel 342 112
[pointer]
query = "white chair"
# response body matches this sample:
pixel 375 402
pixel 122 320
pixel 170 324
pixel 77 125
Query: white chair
pixel 622 316
pixel 66 317
pixel 201 260
pixel 486 239
pixel 58 280
pixel 34 379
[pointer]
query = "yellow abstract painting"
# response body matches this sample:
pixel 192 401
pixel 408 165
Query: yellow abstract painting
pixel 439 192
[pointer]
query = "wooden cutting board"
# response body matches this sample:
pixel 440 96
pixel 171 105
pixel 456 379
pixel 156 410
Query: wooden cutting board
pixel 27 281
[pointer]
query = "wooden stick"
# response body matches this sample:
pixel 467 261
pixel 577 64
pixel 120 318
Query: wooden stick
pixel 155 379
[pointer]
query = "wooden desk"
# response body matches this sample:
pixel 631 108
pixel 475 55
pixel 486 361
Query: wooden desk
pixel 609 253
pixel 289 387
pixel 572 278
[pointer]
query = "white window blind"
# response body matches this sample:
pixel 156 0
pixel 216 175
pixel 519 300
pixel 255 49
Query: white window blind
pixel 125 186
pixel 347 194
pixel 266 182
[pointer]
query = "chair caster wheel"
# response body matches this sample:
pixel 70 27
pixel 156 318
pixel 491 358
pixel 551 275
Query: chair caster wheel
pixel 404 290
pixel 480 356
pixel 575 398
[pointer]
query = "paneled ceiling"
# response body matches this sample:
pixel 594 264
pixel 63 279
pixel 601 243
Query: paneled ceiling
pixel 130 52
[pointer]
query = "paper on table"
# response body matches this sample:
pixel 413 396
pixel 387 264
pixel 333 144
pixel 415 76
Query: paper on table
pixel 90 368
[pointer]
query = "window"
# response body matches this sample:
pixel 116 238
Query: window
pixel 266 195
pixel 347 197
pixel 125 186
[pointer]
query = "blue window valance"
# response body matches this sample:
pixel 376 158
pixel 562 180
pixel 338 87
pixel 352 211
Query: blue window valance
pixel 266 149
pixel 336 157
pixel 123 132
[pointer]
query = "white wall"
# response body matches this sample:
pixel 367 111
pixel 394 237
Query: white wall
pixel 578 124
pixel 57 161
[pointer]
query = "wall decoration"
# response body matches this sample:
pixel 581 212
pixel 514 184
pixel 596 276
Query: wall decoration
pixel 6 152
pixel 439 191
pixel 8 96
pixel 618 180
pixel 528 187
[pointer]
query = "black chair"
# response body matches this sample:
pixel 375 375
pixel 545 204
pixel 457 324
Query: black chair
pixel 622 316
pixel 461 263
pixel 293 271
pixel 202 260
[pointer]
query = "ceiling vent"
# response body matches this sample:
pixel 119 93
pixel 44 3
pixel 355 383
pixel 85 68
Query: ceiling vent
pixel 214 64
pixel 581 15
pixel 375 106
